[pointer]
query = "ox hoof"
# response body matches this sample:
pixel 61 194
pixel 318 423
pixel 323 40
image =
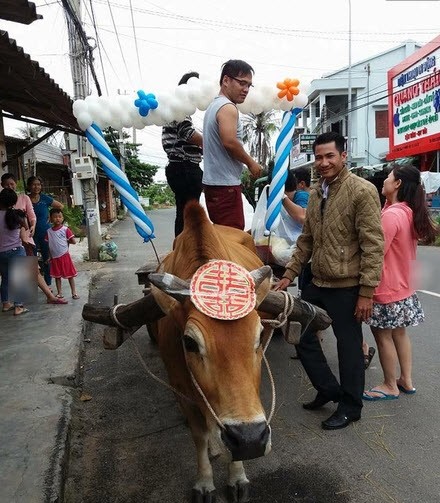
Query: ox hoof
pixel 238 493
pixel 199 496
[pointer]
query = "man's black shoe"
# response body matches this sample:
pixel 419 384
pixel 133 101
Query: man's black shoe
pixel 317 403
pixel 338 420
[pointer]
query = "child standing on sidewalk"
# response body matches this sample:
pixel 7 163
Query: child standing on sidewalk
pixel 59 237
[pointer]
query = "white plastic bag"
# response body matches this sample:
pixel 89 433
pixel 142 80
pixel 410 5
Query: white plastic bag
pixel 278 247
pixel 248 210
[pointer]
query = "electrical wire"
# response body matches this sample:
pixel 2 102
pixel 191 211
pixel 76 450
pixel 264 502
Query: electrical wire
pixel 136 44
pixel 70 12
pixel 98 43
pixel 117 37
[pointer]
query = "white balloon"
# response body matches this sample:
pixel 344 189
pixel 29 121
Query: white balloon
pixel 78 107
pixel 193 82
pixel 181 92
pixel 149 119
pixel 116 122
pixel 188 107
pixel 84 120
pixel 245 107
pixel 156 116
pixel 268 94
pixel 94 109
pixel 91 98
pixel 255 101
pixel 126 119
pixel 286 105
pixel 300 100
pixel 138 122
pixel 203 102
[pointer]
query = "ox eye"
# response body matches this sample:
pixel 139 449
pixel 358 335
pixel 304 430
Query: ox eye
pixel 190 344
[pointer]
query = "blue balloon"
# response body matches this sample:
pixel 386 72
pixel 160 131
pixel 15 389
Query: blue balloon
pixel 145 103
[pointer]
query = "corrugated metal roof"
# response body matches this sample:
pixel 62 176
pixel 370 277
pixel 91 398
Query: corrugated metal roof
pixel 18 11
pixel 26 90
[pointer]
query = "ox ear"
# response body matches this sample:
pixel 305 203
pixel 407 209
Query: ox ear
pixel 262 287
pixel 171 285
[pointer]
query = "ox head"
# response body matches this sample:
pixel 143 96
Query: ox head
pixel 224 359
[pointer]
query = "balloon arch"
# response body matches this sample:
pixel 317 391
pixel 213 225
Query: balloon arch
pixel 95 113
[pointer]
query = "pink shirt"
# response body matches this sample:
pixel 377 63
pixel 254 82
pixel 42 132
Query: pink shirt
pixel 399 254
pixel 24 203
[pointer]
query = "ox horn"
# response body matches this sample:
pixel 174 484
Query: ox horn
pixel 259 275
pixel 171 285
pixel 179 288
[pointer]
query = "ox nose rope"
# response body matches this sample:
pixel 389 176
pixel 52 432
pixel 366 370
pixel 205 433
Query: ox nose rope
pixel 154 376
pixel 280 321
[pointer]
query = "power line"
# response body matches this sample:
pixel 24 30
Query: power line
pixel 117 37
pixel 83 39
pixel 135 41
pixel 98 43
pixel 262 28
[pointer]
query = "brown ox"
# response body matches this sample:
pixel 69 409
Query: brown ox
pixel 223 356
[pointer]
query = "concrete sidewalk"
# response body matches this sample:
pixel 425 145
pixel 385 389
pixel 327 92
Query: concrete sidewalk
pixel 39 358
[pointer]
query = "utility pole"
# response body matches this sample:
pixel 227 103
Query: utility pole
pixel 349 104
pixel 78 61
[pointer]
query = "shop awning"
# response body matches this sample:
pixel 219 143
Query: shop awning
pixel 27 91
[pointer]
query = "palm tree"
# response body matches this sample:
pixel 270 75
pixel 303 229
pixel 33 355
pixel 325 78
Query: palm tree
pixel 32 133
pixel 257 133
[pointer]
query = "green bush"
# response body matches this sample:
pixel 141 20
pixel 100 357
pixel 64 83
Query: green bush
pixel 73 218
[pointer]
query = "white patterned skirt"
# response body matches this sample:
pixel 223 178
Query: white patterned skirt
pixel 403 313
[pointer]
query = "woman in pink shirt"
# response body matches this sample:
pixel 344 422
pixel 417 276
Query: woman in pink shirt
pixel 8 181
pixel 405 221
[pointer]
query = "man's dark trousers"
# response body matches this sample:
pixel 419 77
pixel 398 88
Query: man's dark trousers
pixel 340 304
pixel 185 180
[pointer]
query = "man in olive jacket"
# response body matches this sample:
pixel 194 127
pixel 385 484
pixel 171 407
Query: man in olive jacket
pixel 342 235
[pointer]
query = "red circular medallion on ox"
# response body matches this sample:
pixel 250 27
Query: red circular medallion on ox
pixel 223 290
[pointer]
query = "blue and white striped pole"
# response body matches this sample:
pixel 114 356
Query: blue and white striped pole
pixel 283 146
pixel 113 170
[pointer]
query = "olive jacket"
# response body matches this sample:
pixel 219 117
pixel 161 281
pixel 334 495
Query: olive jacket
pixel 342 235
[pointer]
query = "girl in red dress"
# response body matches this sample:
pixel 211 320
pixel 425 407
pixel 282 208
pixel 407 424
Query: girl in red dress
pixel 59 237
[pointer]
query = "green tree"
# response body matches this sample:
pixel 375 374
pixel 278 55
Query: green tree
pixel 159 193
pixel 32 133
pixel 258 130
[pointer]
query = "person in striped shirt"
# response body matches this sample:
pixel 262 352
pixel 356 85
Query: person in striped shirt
pixel 183 145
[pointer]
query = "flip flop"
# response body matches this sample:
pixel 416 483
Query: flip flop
pixel 8 309
pixel 23 311
pixel 58 301
pixel 369 357
pixel 75 297
pixel 382 395
pixel 405 390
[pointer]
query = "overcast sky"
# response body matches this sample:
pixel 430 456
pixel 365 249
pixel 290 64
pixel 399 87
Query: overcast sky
pixel 152 45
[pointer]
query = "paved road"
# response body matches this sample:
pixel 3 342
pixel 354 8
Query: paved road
pixel 129 442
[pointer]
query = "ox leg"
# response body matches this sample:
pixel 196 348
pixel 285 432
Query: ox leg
pixel 203 490
pixel 238 483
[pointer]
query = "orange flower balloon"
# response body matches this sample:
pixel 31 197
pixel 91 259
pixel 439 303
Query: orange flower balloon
pixel 289 89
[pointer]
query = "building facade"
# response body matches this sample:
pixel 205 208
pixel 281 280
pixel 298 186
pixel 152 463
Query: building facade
pixel 328 105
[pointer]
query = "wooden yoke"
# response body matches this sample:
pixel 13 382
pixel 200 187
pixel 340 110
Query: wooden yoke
pixel 145 310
